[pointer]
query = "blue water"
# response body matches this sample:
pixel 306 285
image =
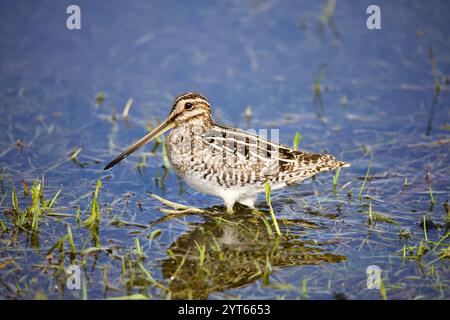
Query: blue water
pixel 266 54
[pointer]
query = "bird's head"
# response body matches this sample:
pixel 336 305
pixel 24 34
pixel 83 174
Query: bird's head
pixel 187 108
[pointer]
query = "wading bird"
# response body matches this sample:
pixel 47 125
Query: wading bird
pixel 227 162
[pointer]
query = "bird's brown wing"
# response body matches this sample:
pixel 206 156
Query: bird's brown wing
pixel 241 150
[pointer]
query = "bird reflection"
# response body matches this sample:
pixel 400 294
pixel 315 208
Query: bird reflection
pixel 226 252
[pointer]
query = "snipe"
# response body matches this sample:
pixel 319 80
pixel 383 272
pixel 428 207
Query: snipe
pixel 227 162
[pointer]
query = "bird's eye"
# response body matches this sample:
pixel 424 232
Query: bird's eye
pixel 188 106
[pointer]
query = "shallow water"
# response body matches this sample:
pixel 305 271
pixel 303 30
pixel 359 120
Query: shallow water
pixel 376 104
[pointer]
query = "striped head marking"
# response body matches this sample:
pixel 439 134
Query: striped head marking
pixel 190 106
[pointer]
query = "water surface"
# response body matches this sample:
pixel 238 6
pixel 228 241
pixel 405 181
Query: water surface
pixel 366 96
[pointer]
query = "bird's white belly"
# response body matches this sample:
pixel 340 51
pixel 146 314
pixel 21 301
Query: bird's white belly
pixel 212 188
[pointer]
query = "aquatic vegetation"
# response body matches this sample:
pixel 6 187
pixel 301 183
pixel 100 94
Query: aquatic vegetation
pixel 437 82
pixel 73 250
pixel 432 202
pixel 127 109
pixel 100 97
pixel 336 177
pixel 92 222
pixel 34 210
pixel 248 115
pixel 328 11
pixel 74 153
pixel 141 233
pixel 365 180
pixel 272 213
pixel 29 218
pixel 296 142
pixel 344 101
pixel 246 254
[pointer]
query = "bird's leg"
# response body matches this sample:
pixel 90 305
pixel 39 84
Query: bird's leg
pixel 249 202
pixel 229 204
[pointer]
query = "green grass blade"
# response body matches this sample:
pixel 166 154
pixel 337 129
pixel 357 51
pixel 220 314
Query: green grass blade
pixel 275 222
pixel 54 199
pixel 365 180
pixel 70 237
pixel 296 142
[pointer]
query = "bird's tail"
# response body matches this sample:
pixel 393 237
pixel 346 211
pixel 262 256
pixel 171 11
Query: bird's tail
pixel 323 163
pixel 338 164
pixel 330 163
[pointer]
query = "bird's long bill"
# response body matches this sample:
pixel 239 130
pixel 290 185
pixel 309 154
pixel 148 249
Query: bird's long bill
pixel 159 130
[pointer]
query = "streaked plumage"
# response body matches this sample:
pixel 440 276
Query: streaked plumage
pixel 227 162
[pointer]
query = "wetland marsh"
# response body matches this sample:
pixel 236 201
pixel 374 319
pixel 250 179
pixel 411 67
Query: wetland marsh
pixel 70 100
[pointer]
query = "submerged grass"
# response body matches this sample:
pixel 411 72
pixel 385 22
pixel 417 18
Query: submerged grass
pixel 378 217
pixel 74 153
pixel 437 82
pixel 328 12
pixel 140 262
pixel 127 108
pixel 383 290
pixel 92 222
pixel 205 255
pixel 138 249
pixel 54 199
pixel 336 178
pixel 361 190
pixel 202 253
pixel 73 250
pixel 35 209
pixel 99 98
pixel 269 203
pixel 296 142
pixel 305 288
pixel 432 201
pixel 15 201
pixel 94 217
pixel 28 219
